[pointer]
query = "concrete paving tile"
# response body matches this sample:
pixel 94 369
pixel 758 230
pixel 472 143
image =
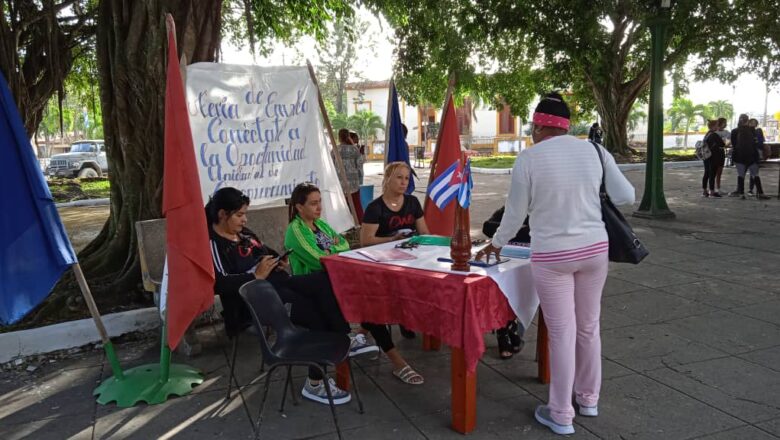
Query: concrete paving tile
pixel 741 433
pixel 378 431
pixel 720 294
pixel 611 319
pixel 758 279
pixel 707 269
pixel 768 311
pixel 72 428
pixel 506 419
pixel 616 286
pixel 203 415
pixel 636 407
pixel 647 347
pixel 769 357
pixel 735 386
pixel 650 306
pixel 434 394
pixel 660 253
pixel 772 426
pixel 651 275
pixel 727 331
pixel 767 261
pixel 310 419
pixel 57 394
pixel 709 249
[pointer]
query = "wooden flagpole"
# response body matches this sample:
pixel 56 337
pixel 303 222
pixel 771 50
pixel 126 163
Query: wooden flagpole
pixel 337 157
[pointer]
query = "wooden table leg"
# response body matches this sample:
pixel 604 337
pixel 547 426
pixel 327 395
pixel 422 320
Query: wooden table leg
pixel 464 394
pixel 542 351
pixel 431 343
pixel 342 375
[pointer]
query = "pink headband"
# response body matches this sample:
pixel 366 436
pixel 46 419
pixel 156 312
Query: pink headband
pixel 548 120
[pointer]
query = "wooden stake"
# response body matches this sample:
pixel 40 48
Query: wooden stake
pixel 339 164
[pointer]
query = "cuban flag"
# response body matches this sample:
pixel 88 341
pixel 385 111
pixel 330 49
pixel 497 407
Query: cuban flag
pixel 445 187
pixel 464 188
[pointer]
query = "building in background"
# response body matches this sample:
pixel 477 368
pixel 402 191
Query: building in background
pixel 483 130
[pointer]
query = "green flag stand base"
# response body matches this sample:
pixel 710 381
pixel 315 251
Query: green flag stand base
pixel 150 383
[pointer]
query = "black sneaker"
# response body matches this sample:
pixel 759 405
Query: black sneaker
pixel 716 194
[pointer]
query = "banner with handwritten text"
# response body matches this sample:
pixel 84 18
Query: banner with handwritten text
pixel 259 129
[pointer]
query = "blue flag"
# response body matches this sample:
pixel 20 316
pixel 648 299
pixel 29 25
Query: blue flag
pixel 397 148
pixel 34 249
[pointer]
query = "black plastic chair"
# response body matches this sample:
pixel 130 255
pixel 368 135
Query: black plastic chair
pixel 293 346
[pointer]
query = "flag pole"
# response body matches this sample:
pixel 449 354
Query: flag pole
pixel 93 310
pixel 387 116
pixel 339 163
pixel 447 97
pixel 151 383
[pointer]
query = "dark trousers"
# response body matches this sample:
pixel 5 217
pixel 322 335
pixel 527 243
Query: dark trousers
pixel 314 305
pixel 381 334
pixel 710 168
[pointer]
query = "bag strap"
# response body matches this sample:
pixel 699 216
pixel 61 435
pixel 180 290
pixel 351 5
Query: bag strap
pixel 603 189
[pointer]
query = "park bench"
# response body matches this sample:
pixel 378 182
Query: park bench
pixel 268 223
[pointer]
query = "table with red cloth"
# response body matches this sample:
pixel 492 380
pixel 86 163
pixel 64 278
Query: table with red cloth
pixel 457 309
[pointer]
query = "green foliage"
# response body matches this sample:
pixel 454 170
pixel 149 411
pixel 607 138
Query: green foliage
pixel 684 113
pixel 720 109
pixel 596 50
pixel 365 123
pixel 263 22
pixel 500 162
pixel 637 114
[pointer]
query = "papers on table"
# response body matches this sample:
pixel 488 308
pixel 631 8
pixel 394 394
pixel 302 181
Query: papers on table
pixel 381 255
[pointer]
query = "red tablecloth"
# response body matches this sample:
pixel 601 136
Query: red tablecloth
pixel 457 309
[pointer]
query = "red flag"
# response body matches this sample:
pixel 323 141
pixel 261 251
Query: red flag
pixel 190 268
pixel 442 222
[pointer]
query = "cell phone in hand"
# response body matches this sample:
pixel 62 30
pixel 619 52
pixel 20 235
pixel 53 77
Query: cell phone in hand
pixel 284 255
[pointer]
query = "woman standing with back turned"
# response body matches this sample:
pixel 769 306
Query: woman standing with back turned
pixel 556 183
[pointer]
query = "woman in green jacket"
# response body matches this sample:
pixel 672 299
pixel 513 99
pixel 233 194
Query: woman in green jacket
pixel 311 238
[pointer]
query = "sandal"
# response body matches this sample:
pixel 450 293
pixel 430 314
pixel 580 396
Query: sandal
pixel 409 376
pixel 505 350
pixel 515 339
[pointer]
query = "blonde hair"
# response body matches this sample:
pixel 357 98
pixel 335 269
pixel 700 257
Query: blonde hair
pixel 390 170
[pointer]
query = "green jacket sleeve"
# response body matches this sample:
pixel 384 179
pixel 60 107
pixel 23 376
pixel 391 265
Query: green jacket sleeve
pixel 306 254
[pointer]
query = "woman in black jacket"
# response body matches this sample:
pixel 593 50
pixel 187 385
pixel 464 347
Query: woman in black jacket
pixel 240 257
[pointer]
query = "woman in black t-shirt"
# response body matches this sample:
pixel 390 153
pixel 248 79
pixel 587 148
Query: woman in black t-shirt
pixel 394 215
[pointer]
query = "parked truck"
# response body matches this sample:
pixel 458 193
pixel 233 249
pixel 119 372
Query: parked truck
pixel 86 158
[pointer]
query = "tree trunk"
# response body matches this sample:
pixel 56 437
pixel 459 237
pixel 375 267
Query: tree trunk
pixel 131 53
pixel 613 103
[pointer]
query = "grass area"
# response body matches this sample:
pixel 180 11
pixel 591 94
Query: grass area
pixel 68 190
pixel 670 155
pixel 493 162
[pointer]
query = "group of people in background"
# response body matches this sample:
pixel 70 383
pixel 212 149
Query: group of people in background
pixel 747 144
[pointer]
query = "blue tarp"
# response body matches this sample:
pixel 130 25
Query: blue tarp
pixel 34 249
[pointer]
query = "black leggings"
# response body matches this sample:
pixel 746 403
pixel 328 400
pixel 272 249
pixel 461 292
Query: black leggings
pixel 710 169
pixel 381 334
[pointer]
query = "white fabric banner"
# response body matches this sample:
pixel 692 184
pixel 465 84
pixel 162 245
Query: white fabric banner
pixel 259 129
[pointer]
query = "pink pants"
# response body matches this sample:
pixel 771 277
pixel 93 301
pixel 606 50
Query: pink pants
pixel 570 296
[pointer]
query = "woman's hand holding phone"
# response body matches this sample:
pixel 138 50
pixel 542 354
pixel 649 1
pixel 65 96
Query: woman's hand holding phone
pixel 266 265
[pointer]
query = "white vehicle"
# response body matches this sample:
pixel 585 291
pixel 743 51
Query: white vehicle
pixel 86 158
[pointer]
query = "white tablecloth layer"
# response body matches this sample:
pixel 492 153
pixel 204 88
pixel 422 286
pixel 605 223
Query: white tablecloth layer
pixel 513 278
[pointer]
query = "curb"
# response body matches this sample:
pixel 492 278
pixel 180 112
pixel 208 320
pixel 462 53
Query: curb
pixel 86 202
pixel 622 167
pixel 72 334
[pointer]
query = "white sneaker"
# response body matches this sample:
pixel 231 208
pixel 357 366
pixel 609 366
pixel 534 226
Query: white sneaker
pixel 360 345
pixel 542 415
pixel 588 411
pixel 318 393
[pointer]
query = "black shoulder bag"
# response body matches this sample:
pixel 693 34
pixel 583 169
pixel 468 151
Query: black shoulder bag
pixel 624 246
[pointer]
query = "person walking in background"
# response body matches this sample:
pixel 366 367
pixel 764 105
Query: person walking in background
pixel 596 134
pixel 745 155
pixel 353 136
pixel 760 143
pixel 353 166
pixel 556 183
pixel 720 161
pixel 714 144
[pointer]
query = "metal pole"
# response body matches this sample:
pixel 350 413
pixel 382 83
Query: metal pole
pixel 653 203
